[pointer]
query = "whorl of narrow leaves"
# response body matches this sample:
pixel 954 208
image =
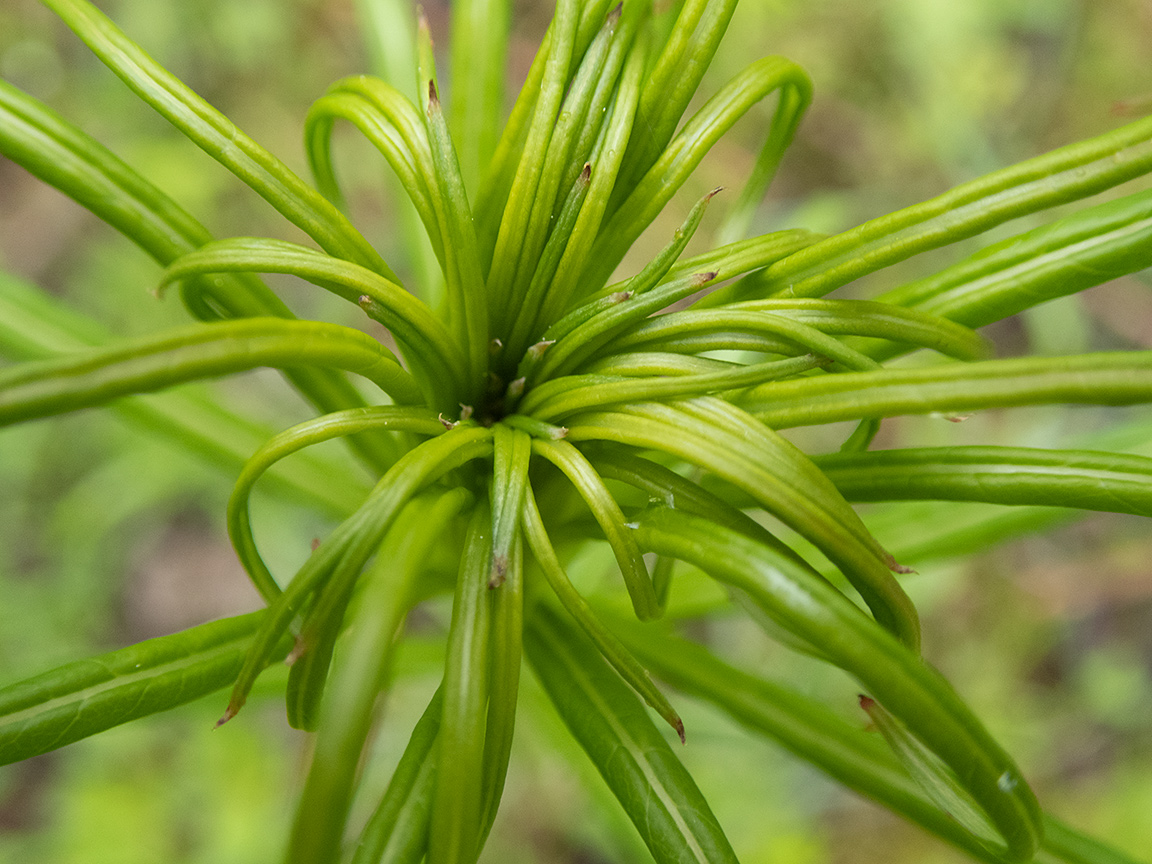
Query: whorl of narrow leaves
pixel 536 409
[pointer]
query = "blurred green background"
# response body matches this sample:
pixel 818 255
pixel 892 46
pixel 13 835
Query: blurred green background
pixel 107 538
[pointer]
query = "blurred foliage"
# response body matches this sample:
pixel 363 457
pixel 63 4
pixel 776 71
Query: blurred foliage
pixel 1049 636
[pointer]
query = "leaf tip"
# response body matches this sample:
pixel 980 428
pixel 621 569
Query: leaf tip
pixel 537 350
pixel 232 710
pixel 498 572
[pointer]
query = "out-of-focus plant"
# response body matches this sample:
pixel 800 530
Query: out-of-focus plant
pixel 536 410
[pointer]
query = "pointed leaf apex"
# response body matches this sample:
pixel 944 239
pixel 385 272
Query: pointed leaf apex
pixel 232 711
pixel 499 571
pixel 537 350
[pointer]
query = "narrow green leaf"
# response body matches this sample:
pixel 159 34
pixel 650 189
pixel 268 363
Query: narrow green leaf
pixel 397 833
pixel 1088 480
pixel 780 478
pixel 935 778
pixel 501 172
pixel 678 70
pixel 468 311
pixel 605 159
pixel 845 751
pixel 69 383
pixel 607 644
pixel 1067 174
pixel 65 157
pixel 357 538
pixel 35 325
pixel 1107 378
pixel 479 50
pixel 505 649
pixel 509 484
pixel 386 120
pixel 911 690
pixel 561 397
pixel 291 441
pixel 217 136
pixel 517 212
pixel 415 326
pixel 906 327
pixel 1080 251
pixel 455 827
pixel 649 195
pixel 357 675
pixel 541 222
pixel 611 520
pixel 80 699
pixel 613 727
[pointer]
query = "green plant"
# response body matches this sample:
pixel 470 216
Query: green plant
pixel 540 411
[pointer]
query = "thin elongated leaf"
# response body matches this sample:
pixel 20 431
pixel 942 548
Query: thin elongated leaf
pixel 1107 378
pixel 607 644
pixel 479 49
pixel 89 696
pixel 648 197
pixel 907 327
pixel 912 691
pixel 397 833
pixel 357 676
pixel 467 302
pixel 46 387
pixel 611 520
pixel 778 477
pixel 1063 175
pixel 291 441
pixel 613 727
pixel 1080 251
pixel 51 148
pixel 509 487
pixel 217 136
pixel 518 211
pixel 505 649
pixel 34 325
pixel 605 161
pixel 572 113
pixel 683 58
pixel 599 322
pixel 1089 480
pixel 455 827
pixel 526 328
pixel 357 538
pixel 561 397
pixel 501 172
pixel 382 115
pixel 933 777
pixel 644 281
pixel 845 751
pixel 65 157
pixel 413 324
